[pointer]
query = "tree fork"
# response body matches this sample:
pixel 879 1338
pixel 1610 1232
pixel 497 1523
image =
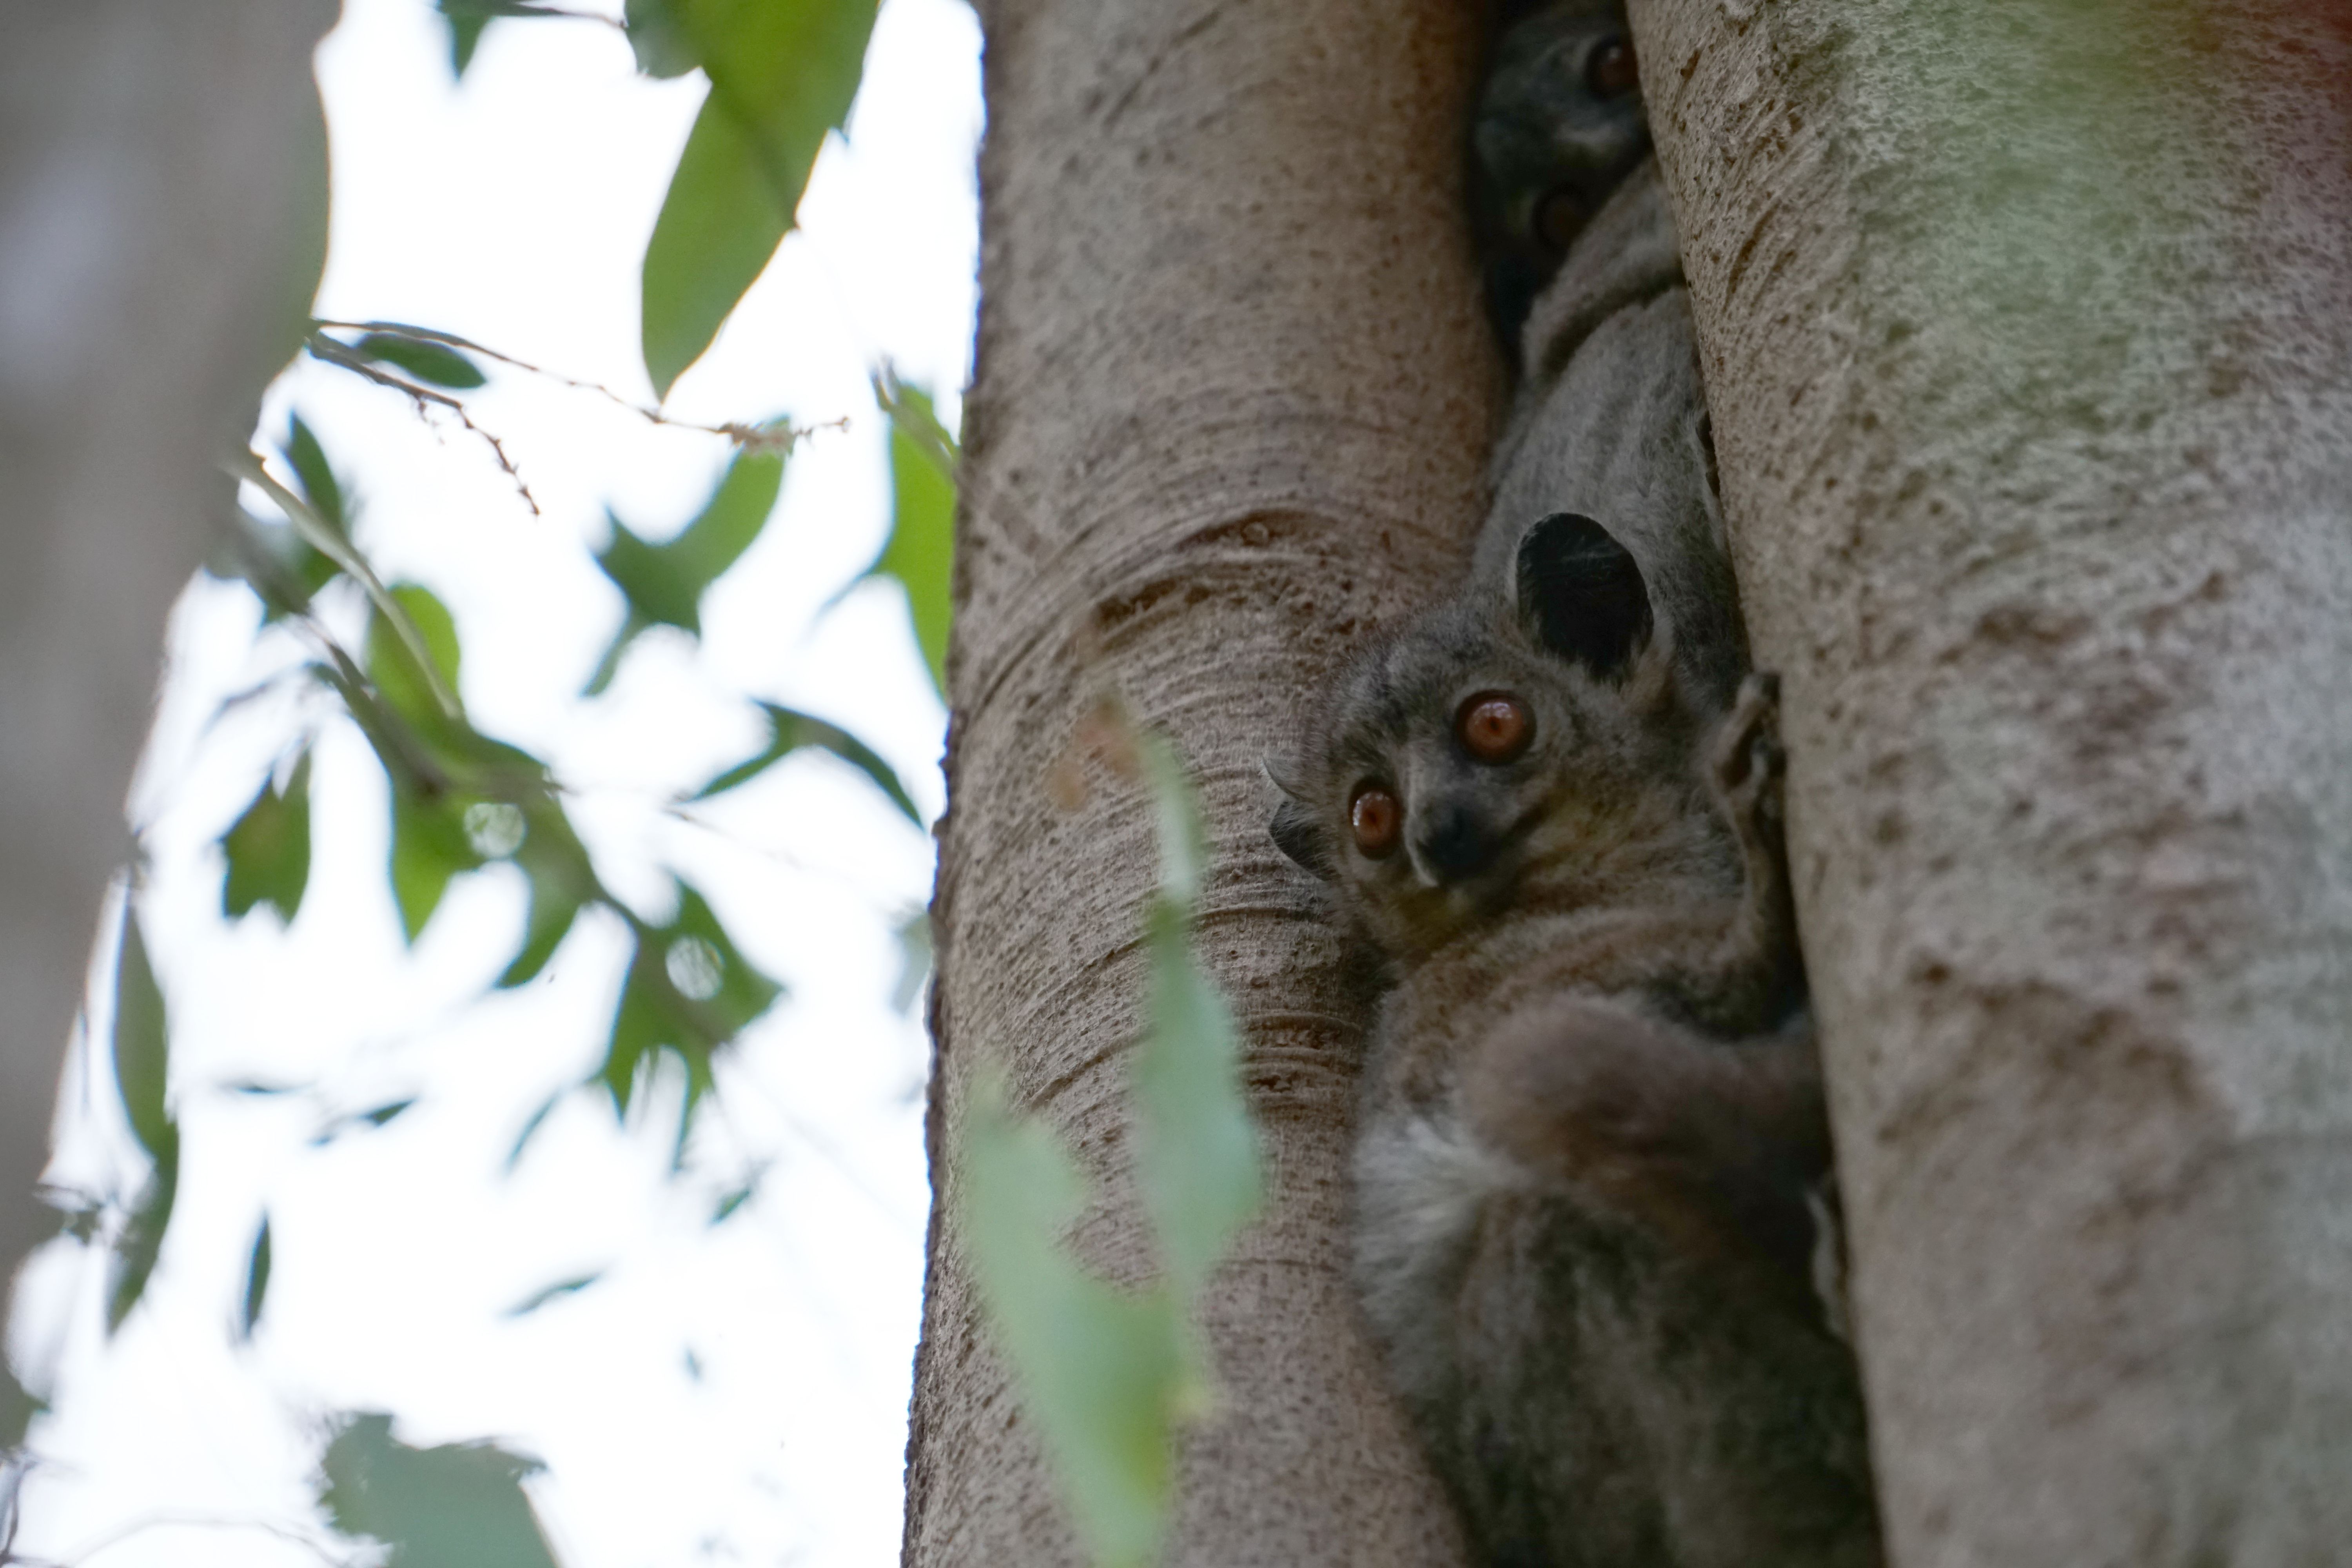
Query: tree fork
pixel 2028 336
pixel 1233 397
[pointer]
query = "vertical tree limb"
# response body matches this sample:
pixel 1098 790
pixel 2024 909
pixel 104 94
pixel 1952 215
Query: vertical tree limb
pixel 161 195
pixel 1231 404
pixel 2028 337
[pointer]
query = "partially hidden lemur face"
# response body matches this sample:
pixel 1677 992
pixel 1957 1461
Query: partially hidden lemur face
pixel 1558 128
pixel 1521 749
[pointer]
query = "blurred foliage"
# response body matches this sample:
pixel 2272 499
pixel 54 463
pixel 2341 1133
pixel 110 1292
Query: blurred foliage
pixel 783 74
pixel 143 1062
pixel 456 1505
pixel 790 731
pixel 919 555
pixel 1107 1373
pixel 662 585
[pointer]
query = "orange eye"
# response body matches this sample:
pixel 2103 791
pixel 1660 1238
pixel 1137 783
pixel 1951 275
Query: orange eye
pixel 1611 72
pixel 1378 820
pixel 1495 728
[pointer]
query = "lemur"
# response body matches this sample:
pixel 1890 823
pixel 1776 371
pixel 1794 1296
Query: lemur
pixel 1594 1231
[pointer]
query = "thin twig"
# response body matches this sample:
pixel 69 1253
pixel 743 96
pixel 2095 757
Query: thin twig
pixel 340 353
pixel 750 437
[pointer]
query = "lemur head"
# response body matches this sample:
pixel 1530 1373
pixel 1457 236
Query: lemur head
pixel 1558 127
pixel 1528 747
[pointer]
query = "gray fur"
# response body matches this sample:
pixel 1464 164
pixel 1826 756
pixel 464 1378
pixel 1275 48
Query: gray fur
pixel 1595 1220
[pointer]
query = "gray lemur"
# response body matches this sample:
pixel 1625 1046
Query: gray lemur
pixel 1594 1230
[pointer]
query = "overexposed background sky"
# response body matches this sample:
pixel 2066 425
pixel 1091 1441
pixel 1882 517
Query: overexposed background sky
pixel 728 1392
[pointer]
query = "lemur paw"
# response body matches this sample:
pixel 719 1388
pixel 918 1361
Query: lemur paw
pixel 1748 762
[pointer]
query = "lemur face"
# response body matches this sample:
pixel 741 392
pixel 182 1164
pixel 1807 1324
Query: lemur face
pixel 1491 747
pixel 1558 128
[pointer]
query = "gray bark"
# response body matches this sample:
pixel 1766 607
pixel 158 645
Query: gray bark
pixel 2028 337
pixel 1231 404
pixel 161 199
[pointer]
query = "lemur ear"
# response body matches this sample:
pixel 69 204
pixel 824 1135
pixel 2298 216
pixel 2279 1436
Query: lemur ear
pixel 1581 595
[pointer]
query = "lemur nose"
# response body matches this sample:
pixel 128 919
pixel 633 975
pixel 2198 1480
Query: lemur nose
pixel 1453 844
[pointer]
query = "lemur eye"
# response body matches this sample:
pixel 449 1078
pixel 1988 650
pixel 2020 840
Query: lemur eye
pixel 1494 727
pixel 1378 820
pixel 1609 71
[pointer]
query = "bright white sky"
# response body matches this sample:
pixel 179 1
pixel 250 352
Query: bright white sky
pixel 514 210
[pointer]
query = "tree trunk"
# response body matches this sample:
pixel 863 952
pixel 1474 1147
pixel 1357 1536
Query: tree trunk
pixel 161 195
pixel 2028 336
pixel 1231 404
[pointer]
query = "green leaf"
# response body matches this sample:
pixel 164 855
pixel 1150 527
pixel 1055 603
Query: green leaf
pixel 562 1288
pixel 1100 1372
pixel 269 848
pixel 467 18
pixel 281 565
pixel 1197 1163
pixel 561 880
pixel 782 73
pixel 689 991
pixel 142 1046
pixel 256 1280
pixel 143 1060
pixel 920 553
pixel 429 846
pixel 437 364
pixel 455 1506
pixel 1197 1158
pixel 405 685
pixel 320 487
pixel 664 583
pixel 788 731
pixel 660 44
pixel 141 1241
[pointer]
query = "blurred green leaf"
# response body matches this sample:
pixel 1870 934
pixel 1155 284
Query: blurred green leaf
pixel 142 1046
pixel 788 731
pixel 384 1113
pixel 689 991
pixel 142 1061
pixel 467 18
pixel 281 565
pixel 724 1209
pixel 661 46
pixel 562 1288
pixel 920 553
pixel 429 846
pixel 455 1506
pixel 1100 1372
pixel 392 666
pixel 269 848
pixel 437 364
pixel 1196 1149
pixel 1108 1375
pixel 1197 1156
pixel 320 487
pixel 561 880
pixel 256 1280
pixel 782 73
pixel 664 583
pixel 141 1241
pixel 315 530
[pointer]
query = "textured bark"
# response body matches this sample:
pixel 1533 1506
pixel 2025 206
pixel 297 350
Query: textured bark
pixel 1233 397
pixel 2028 336
pixel 160 200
